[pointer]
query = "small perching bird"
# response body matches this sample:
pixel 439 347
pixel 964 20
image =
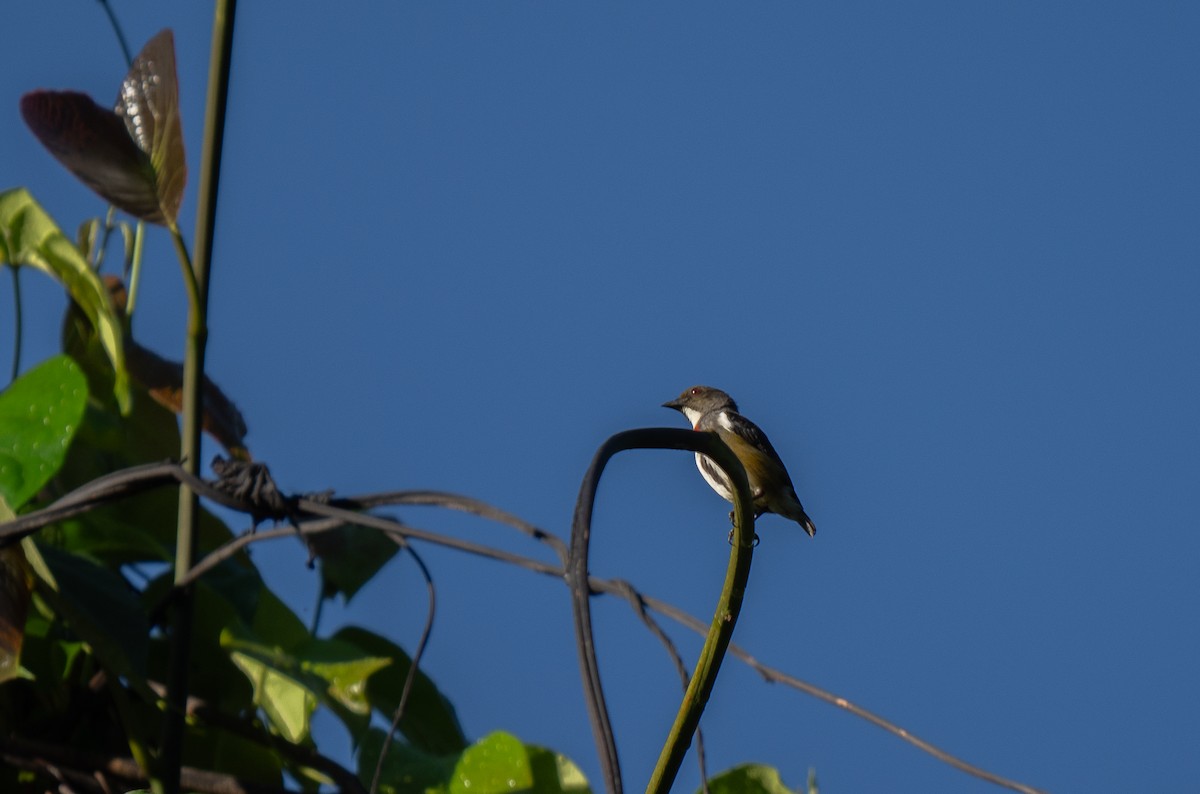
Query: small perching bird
pixel 771 488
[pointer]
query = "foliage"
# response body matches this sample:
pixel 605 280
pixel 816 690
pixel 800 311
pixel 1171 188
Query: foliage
pixel 84 637
pixel 84 664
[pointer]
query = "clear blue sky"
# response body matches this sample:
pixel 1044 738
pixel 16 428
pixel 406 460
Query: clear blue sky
pixel 946 254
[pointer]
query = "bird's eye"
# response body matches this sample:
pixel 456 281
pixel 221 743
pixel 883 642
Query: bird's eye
pixel 695 390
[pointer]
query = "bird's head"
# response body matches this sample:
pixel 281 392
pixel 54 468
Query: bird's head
pixel 699 400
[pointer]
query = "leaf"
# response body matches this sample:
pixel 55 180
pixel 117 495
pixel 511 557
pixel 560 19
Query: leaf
pixel 345 670
pixel 161 378
pixel 132 530
pixel 28 236
pixel 749 779
pixel 350 556
pixel 555 772
pixel 288 684
pixel 149 104
pixel 97 604
pixel 39 414
pixel 15 586
pixel 500 762
pixel 286 699
pixel 406 770
pixel 132 156
pixel 429 721
pixel 497 763
pixel 164 380
pixel 93 143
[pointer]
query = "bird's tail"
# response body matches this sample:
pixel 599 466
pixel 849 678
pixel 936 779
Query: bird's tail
pixel 791 508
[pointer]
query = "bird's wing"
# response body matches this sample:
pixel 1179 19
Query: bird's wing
pixel 754 450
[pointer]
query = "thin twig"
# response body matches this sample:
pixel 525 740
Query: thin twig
pixel 411 677
pixel 465 504
pixel 120 34
pixel 128 482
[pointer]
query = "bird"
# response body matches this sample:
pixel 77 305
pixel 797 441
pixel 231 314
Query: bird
pixel 771 488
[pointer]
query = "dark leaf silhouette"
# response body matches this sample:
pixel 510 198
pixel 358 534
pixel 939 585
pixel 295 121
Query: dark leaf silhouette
pixel 133 156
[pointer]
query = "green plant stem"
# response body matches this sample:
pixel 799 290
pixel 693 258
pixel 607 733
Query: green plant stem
pixel 133 267
pixel 720 631
pixel 19 323
pixel 196 277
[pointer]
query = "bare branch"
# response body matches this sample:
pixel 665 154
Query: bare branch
pixel 129 482
pixel 466 504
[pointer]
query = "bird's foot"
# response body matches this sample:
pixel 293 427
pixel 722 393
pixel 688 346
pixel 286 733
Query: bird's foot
pixel 754 543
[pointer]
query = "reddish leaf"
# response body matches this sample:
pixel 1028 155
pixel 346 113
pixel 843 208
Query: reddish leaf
pixel 149 105
pixel 94 145
pixel 133 156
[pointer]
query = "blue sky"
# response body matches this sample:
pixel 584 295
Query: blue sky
pixel 946 254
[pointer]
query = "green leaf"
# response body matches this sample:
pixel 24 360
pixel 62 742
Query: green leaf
pixel 28 236
pixel 555 772
pixel 39 414
pixel 497 763
pixel 133 156
pixel 276 624
pixel 406 770
pixel 429 721
pixel 749 779
pixel 344 669
pixel 288 684
pixel 97 604
pixel 50 649
pixel 349 557
pixel 132 530
pixel 280 690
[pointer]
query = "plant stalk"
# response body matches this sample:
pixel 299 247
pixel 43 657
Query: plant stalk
pixel 719 635
pixel 196 276
pixel 720 631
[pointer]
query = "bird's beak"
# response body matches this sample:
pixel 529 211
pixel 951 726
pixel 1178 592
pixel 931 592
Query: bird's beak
pixel 676 404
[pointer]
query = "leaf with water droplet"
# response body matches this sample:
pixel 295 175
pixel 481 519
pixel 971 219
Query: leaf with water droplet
pixel 38 411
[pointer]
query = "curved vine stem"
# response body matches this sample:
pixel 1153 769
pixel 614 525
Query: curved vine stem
pixel 720 631
pixel 323 517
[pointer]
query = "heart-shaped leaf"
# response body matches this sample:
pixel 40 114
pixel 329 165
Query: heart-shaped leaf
pixel 133 156
pixel 39 414
pixel 496 764
pixel 429 721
